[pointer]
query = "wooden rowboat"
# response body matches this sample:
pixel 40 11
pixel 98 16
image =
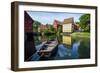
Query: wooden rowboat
pixel 48 49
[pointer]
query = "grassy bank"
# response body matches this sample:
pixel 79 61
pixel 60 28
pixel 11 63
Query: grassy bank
pixel 81 34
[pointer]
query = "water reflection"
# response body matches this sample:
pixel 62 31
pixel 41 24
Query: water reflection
pixel 67 40
pixel 67 48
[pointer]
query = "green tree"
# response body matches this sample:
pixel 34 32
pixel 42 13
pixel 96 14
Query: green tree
pixel 59 30
pixel 85 22
pixel 51 28
pixel 36 25
pixel 77 22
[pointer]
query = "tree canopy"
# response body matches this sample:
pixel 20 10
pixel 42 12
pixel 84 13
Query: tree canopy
pixel 36 24
pixel 85 22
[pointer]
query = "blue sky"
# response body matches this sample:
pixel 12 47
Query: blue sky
pixel 49 17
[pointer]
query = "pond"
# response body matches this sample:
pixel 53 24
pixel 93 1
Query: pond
pixel 68 47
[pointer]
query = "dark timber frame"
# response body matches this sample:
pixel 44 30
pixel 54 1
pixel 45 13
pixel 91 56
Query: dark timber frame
pixel 15 39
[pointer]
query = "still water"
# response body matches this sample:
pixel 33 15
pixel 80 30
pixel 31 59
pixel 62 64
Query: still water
pixel 68 47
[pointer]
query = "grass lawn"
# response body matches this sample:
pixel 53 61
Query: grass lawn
pixel 81 34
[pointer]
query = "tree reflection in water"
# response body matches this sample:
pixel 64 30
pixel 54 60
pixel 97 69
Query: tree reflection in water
pixel 68 48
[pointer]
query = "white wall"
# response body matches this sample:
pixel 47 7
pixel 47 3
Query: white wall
pixel 67 27
pixel 5 40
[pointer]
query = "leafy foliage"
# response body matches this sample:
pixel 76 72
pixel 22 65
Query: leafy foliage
pixel 85 22
pixel 36 24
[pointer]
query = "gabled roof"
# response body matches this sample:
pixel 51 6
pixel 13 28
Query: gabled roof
pixel 68 20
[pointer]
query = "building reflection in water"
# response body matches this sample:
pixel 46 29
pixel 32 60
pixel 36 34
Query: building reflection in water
pixel 67 40
pixel 64 48
pixel 67 49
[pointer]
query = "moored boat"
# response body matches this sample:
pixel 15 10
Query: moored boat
pixel 48 49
